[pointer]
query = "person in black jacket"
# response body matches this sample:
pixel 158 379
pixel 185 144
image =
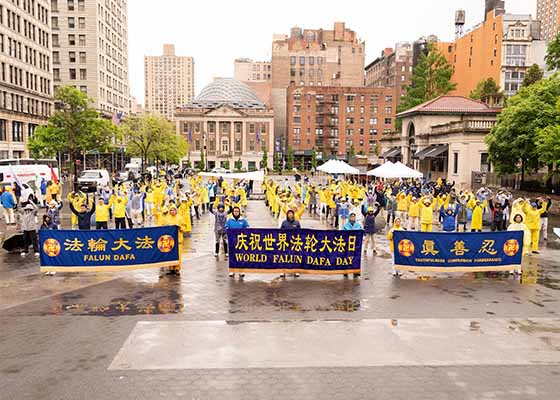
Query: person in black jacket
pixel 84 216
pixel 291 223
pixel 369 227
pixel 497 216
pixel 544 216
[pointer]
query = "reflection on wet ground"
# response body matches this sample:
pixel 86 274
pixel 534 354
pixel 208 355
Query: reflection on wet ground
pixel 205 291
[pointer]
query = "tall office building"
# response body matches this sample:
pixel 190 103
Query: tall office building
pixel 548 12
pixel 25 74
pixel 90 50
pixel 313 57
pixel 169 82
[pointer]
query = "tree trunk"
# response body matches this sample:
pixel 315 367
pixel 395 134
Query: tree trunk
pixel 522 174
pixel 75 184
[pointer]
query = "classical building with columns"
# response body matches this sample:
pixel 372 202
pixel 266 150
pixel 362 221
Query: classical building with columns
pixel 226 123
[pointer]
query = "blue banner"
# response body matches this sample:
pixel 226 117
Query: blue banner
pixel 485 251
pixel 295 251
pixel 109 250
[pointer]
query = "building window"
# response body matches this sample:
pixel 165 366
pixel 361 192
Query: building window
pixel 81 23
pixel 349 132
pixel 211 127
pixel 251 128
pixel 211 145
pixel 17 131
pixel 373 121
pixel 350 120
pixel 82 40
pixel 350 109
pixel 225 145
pixel 238 145
pixel 455 163
pixel 70 5
pixel 18 154
pixel 251 145
pixel 72 40
pixel 388 110
pixel 302 60
pixel 56 57
pixel 373 132
pixel 72 73
pixel 83 89
pixel 72 56
pixel 388 98
pixel 388 121
pixel 3 137
pixel 197 145
pixel 82 57
pixel 54 22
pixel 485 163
pixel 293 60
pixel 238 127
pixel 56 74
pixel 71 22
pixel 55 41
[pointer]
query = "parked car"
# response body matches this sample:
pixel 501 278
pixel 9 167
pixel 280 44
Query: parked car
pixel 90 180
pixel 220 170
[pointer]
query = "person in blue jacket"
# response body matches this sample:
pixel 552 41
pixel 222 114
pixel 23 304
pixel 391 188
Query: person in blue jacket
pixel 352 224
pixel 449 218
pixel 236 222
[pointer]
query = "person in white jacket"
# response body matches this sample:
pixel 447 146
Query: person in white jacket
pixel 519 225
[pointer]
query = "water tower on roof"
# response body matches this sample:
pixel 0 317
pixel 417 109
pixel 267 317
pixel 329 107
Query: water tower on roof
pixel 459 23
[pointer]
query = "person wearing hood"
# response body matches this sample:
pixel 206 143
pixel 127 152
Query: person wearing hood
pixel 477 211
pixel 28 226
pixel 53 211
pixel 220 219
pixel 290 223
pixel 427 214
pixel 352 224
pixel 532 220
pixel 370 229
pixel 173 218
pixel 449 218
pixel 83 215
pixel 519 225
pixel 397 226
pixel 413 214
pixel 48 224
pixel 236 221
pixel 185 212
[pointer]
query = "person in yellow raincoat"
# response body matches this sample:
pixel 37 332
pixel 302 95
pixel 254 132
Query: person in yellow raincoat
pixel 173 218
pixel 477 212
pixel 185 213
pixel 76 199
pixel 426 206
pixel 402 206
pixel 413 214
pixel 159 193
pixel 532 220
pixel 397 226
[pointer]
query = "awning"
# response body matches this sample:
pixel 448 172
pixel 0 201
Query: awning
pixel 393 152
pixel 432 151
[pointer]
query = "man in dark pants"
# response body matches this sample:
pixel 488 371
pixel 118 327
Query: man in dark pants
pixel 84 216
pixel 26 220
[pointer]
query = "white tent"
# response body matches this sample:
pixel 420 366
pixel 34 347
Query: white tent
pixel 382 169
pixel 394 171
pixel 338 167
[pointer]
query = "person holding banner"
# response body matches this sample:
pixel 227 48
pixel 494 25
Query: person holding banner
pixel 519 225
pixel 173 218
pixel 290 223
pixel 236 222
pixel 397 226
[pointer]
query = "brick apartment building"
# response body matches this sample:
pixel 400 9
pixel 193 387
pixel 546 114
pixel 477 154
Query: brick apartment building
pixel 330 119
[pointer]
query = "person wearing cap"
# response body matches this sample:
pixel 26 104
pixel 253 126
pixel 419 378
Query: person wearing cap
pixel 370 228
pixel 26 222
pixel 397 226
pixel 532 220
pixel 236 221
pixel 544 216
pixel 220 219
pixel 426 206
pixel 343 212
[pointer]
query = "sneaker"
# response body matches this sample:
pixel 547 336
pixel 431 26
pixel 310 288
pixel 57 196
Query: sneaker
pixel 536 252
pixel 37 254
pixel 23 253
pixel 345 275
pixel 397 274
pixel 282 275
pixel 357 275
pixel 241 276
pixel 216 255
pixel 231 275
pixel 296 275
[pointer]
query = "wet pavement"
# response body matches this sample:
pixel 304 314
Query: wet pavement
pixel 467 336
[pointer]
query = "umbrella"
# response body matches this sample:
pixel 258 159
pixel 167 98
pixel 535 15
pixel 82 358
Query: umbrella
pixel 14 244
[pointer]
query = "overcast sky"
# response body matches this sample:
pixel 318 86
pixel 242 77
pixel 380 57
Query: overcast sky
pixel 216 32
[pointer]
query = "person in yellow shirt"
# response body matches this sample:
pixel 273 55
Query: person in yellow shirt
pixel 397 226
pixel 426 214
pixel 413 214
pixel 119 210
pixel 101 214
pixel 54 190
pixel 477 212
pixel 185 213
pixel 76 199
pixel 402 206
pixel 173 218
pixel 533 219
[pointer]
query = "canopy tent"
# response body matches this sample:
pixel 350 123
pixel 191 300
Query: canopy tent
pixel 381 170
pixel 249 176
pixel 338 167
pixel 394 171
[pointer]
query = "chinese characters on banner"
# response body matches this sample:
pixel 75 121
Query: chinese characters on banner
pixel 299 251
pixel 486 251
pixel 108 250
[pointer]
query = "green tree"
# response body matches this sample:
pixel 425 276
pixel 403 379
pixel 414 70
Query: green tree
pixel 277 163
pixel 548 142
pixel 431 78
pixel 352 151
pixel 152 138
pixel 512 143
pixel 533 75
pixel 238 165
pixel 485 90
pixel 314 159
pixel 188 164
pixel 202 162
pixel 553 54
pixel 290 159
pixel 264 160
pixel 226 164
pixel 75 128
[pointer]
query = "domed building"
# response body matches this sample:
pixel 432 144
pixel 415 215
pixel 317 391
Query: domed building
pixel 227 126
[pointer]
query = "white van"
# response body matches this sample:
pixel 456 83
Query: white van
pixel 25 173
pixel 91 179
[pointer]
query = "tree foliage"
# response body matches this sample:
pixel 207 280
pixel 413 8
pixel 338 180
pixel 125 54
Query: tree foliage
pixel 238 165
pixel 264 160
pixel 485 90
pixel 75 127
pixel 153 138
pixel 277 163
pixel 553 54
pixel 533 75
pixel 548 141
pixel 431 78
pixel 512 143
pixel 314 159
pixel 290 159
